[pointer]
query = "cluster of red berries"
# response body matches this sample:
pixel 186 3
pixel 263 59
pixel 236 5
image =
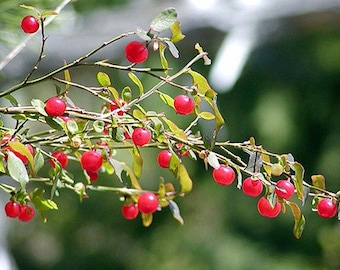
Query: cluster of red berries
pixel 147 203
pixel 23 212
pixel 91 161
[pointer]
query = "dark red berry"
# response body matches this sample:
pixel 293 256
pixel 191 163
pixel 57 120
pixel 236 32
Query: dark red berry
pixel 136 52
pixel 26 213
pixel 184 104
pixel 93 176
pixel 114 106
pixel 130 211
pixel 61 158
pixel 224 175
pixel 30 24
pixel 91 161
pixel 12 209
pixel 141 136
pixel 55 106
pixel 147 203
pixel 163 158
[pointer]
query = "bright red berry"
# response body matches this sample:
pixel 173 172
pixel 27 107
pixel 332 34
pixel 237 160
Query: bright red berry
pixel 30 24
pixel 184 104
pixel 252 187
pixel 327 208
pixel 163 158
pixel 147 203
pixel 91 161
pixel 26 213
pixel 266 210
pixel 141 136
pixel 130 211
pixel 55 106
pixel 136 52
pixel 284 189
pixel 114 105
pixel 12 209
pixel 61 158
pixel 224 175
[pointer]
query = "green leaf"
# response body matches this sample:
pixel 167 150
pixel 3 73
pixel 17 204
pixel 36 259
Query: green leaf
pixel 139 115
pixel 164 20
pixel 17 170
pixel 266 160
pixel 12 100
pixel 172 48
pixel 41 203
pixel 318 181
pixel 119 166
pixel 175 211
pixel 184 179
pixel 136 80
pixel 176 32
pixel 72 126
pixel 175 129
pixel 103 79
pixel 299 219
pixel 39 106
pixel 200 82
pixel 162 57
pixel 168 100
pixel 207 115
pixel 67 76
pixel 49 13
pixel 298 178
pixel 137 164
pixel 98 126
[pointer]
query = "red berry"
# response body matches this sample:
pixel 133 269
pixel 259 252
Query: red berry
pixel 163 158
pixel 285 189
pixel 61 158
pixel 26 213
pixel 93 176
pixel 114 106
pixel 184 104
pixel 327 208
pixel 55 106
pixel 147 203
pixel 91 161
pixel 30 24
pixel 130 211
pixel 141 136
pixel 252 187
pixel 136 52
pixel 266 210
pixel 12 209
pixel 224 175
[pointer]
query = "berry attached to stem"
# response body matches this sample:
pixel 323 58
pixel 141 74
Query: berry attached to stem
pixel 224 175
pixel 12 209
pixel 266 210
pixel 184 104
pixel 26 213
pixel 163 158
pixel 61 157
pixel 141 136
pixel 55 106
pixel 284 189
pixel 327 208
pixel 252 187
pixel 147 203
pixel 130 211
pixel 136 52
pixel 91 161
pixel 30 24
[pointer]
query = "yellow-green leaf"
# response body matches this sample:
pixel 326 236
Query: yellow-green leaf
pixel 137 81
pixel 164 62
pixel 22 149
pixel 147 219
pixel 318 181
pixel 299 219
pixel 176 32
pixel 167 99
pixel 200 81
pixel 207 115
pixel 17 169
pixel 137 164
pixel 266 161
pixel 103 79
pixel 139 115
pixel 298 178
pixel 184 179
pixel 175 129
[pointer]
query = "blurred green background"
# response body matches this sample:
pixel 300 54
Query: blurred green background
pixel 287 97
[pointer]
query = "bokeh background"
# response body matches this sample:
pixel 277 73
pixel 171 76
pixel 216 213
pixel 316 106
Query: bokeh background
pixel 276 66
